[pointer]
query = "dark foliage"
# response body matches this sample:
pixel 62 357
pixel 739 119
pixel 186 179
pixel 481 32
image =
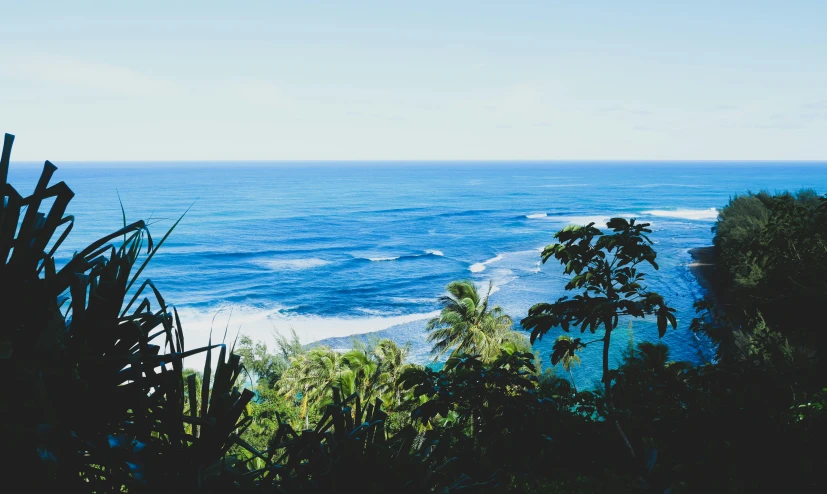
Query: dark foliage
pixel 349 450
pixel 772 253
pixel 94 397
pixel 605 268
pixel 492 412
pixel 744 427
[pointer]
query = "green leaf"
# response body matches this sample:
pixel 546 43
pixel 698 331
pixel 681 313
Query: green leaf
pixel 661 324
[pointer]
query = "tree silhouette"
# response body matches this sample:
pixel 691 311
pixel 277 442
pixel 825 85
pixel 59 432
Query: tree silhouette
pixel 605 268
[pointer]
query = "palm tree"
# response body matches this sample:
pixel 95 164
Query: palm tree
pixel 652 356
pixel 363 373
pixel 569 359
pixel 369 370
pixel 314 374
pixel 467 324
pixel 374 367
pixel 293 383
pixel 392 359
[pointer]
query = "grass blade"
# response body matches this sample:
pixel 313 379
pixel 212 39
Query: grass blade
pixel 151 254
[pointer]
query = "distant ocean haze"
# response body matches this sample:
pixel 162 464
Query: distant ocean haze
pixel 334 250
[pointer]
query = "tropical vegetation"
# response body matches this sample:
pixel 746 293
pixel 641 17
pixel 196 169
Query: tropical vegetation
pixel 96 397
pixel 467 324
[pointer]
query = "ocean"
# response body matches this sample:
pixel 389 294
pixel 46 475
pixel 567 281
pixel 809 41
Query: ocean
pixel 337 249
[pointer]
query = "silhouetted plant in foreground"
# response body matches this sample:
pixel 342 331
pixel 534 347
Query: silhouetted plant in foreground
pixel 493 407
pixel 92 358
pixel 349 450
pixel 605 268
pixel 569 357
pixel 96 399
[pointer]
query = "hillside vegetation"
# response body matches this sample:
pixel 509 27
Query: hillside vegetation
pixel 96 397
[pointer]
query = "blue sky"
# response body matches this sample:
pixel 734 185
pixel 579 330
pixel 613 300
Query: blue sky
pixel 414 80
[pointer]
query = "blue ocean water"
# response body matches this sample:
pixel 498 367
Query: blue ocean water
pixel 334 249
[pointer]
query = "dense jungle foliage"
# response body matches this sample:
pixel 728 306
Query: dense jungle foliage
pixel 772 264
pixel 96 397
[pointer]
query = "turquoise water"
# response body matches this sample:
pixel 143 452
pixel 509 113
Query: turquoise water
pixel 339 249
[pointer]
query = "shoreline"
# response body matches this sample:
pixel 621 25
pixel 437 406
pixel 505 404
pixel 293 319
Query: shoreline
pixel 702 268
pixel 221 325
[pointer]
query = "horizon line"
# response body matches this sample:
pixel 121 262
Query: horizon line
pixel 425 161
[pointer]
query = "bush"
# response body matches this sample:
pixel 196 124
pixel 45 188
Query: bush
pixel 95 396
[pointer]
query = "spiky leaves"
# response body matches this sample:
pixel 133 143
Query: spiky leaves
pixel 95 396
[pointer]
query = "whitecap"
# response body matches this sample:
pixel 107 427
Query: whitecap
pixel 477 268
pixel 378 259
pixel 536 216
pixel 370 312
pixel 500 279
pixel 260 324
pixel 598 220
pixel 434 252
pixel 480 266
pixel 585 220
pixel 414 300
pixel 292 264
pixel 685 214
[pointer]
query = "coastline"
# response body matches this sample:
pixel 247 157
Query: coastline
pixel 221 325
pixel 702 268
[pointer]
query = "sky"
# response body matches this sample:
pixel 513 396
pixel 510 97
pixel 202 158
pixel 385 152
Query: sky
pixel 387 80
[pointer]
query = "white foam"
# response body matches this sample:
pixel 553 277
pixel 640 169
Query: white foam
pixel 599 221
pixel 260 325
pixel 685 214
pixel 292 264
pixel 393 258
pixel 503 277
pixel 480 266
pixel 414 300
pixel 536 216
pixel 370 312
